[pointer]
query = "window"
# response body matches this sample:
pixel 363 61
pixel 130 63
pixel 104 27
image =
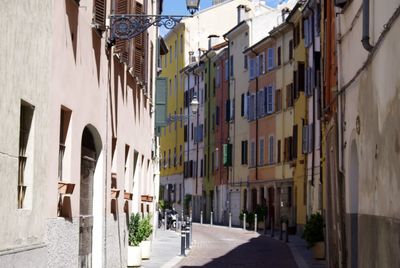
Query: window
pixel 226 70
pixel 290 49
pixel 279 151
pixel 192 130
pixel 65 117
pixel 217 115
pixel 260 104
pixel 176 85
pixel 252 154
pixel 181 44
pixel 289 96
pixel 170 54
pixel 218 76
pixel 295 136
pixel 261 69
pixel 176 49
pixel 216 159
pixel 271 150
pixel 175 124
pixel 244 152
pixel 25 162
pixel 242 100
pixel 279 56
pixel 278 100
pixel 170 87
pixel 269 99
pixel 231 66
pixel 201 168
pixel 169 157
pixel 270 58
pixel 175 159
pixel 185 134
pixel 212 162
pixel 252 72
pixel 288 149
pixel 245 62
pixel 261 151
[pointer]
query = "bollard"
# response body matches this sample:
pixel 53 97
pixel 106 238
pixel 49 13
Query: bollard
pixel 244 221
pixel 165 220
pixel 255 223
pixel 187 236
pixel 191 231
pixel 265 224
pixel 272 227
pixel 183 239
pixel 211 219
pixel 201 217
pixel 287 232
pixel 280 231
pixel 230 220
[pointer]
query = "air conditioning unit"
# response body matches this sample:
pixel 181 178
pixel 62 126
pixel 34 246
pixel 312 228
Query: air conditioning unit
pixel 341 3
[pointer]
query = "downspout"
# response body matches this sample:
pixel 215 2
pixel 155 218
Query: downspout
pixel 256 104
pixel 228 140
pixel 365 35
pixel 208 116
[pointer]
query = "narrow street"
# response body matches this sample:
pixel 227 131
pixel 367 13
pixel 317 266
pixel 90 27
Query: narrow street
pixel 222 247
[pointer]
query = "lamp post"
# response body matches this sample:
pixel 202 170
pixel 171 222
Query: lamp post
pixel 128 26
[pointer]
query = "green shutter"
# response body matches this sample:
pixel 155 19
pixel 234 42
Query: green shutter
pixel 161 102
pixel 227 158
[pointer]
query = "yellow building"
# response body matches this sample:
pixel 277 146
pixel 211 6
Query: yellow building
pixel 299 177
pixel 172 136
pixel 284 98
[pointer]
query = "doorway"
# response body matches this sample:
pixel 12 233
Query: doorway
pixel 88 166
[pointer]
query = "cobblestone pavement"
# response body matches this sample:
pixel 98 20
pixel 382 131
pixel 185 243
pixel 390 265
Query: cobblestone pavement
pixel 223 247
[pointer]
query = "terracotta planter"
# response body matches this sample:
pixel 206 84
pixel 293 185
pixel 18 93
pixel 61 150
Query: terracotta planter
pixel 134 256
pixel 146 249
pixel 318 250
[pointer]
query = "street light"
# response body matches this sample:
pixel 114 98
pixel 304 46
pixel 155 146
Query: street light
pixel 128 26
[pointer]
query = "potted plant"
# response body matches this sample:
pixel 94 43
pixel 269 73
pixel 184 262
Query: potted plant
pixel 314 235
pixel 135 237
pixel 145 229
pixel 261 212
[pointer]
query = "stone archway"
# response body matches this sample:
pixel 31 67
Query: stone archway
pixel 90 152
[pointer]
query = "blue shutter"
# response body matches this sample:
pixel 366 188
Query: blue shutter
pixel 251 73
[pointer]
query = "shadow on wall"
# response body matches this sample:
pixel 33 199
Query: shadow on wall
pixel 258 252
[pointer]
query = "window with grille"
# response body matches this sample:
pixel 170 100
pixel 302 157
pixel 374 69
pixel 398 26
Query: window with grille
pixel 25 152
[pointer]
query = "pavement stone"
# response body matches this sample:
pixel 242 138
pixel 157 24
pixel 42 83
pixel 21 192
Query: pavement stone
pixel 165 250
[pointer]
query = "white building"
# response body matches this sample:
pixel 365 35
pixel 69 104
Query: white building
pixel 79 108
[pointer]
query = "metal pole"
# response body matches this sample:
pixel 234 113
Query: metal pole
pixel 201 217
pixel 230 219
pixel 287 232
pixel 183 239
pixel 272 227
pixel 191 230
pixel 255 222
pixel 211 219
pixel 244 221
pixel 265 224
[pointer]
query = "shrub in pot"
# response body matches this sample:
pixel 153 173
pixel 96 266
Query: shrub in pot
pixel 314 235
pixel 134 239
pixel 145 229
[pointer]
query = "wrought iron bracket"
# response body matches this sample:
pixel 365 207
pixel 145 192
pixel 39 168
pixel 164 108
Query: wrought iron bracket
pixel 128 26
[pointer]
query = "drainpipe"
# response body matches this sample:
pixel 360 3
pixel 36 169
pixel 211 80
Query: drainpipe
pixel 208 116
pixel 256 104
pixel 229 122
pixel 365 35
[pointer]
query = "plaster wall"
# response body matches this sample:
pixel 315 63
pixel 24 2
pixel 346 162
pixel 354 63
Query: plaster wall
pixel 372 100
pixel 23 77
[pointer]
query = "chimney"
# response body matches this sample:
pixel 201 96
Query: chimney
pixel 212 40
pixel 241 9
pixel 285 11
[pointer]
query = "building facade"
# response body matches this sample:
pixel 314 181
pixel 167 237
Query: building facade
pixel 75 155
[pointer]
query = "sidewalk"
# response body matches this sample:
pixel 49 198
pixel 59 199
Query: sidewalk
pixel 166 248
pixel 298 247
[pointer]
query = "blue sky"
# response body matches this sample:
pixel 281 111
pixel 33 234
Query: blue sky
pixel 178 7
